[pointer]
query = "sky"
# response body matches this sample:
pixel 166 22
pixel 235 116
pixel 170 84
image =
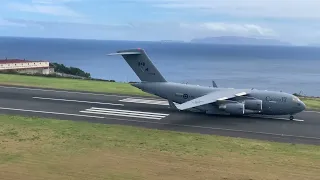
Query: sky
pixel 295 21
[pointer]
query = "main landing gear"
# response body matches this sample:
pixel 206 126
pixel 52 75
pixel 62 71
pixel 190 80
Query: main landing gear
pixel 291 117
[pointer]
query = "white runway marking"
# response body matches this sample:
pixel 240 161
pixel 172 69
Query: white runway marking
pixel 318 112
pixel 63 91
pixel 125 113
pixel 72 100
pixel 145 101
pixel 161 123
pixel 48 112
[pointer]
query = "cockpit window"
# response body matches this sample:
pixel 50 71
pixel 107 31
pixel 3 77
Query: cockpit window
pixel 295 99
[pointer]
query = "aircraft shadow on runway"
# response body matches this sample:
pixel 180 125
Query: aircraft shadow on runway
pixel 195 118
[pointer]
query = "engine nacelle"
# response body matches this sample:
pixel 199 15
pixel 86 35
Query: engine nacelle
pixel 233 108
pixel 253 104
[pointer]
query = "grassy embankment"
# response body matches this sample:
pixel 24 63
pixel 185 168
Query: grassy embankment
pixel 95 86
pixel 70 84
pixel 34 148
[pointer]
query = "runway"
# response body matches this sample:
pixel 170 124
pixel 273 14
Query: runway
pixel 153 113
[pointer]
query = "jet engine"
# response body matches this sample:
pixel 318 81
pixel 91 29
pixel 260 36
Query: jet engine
pixel 253 104
pixel 233 108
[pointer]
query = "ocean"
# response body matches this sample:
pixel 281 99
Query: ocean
pixel 291 69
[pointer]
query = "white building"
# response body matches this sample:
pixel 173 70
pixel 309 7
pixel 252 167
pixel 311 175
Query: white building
pixel 24 66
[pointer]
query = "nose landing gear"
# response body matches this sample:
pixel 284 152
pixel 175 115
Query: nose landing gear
pixel 291 117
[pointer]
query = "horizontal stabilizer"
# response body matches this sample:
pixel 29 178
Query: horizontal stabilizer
pixel 124 53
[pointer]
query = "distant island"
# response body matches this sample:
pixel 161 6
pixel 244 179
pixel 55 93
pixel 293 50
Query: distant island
pixel 238 40
pixel 172 41
pixel 314 45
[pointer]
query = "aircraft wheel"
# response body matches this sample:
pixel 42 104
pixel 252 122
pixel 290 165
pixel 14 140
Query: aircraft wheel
pixel 291 118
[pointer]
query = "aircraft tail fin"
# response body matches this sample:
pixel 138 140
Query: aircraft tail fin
pixel 141 64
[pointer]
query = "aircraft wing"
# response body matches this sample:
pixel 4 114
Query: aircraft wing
pixel 211 98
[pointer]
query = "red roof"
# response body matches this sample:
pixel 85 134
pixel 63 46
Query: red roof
pixel 8 61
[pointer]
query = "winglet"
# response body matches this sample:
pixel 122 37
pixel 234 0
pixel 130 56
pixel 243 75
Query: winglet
pixel 178 106
pixel 172 104
pixel 214 84
pixel 190 104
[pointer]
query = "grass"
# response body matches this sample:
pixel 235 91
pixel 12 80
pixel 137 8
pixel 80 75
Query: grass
pixel 70 84
pixel 36 148
pixel 95 86
pixel 312 103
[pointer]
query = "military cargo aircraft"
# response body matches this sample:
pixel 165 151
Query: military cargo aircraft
pixel 210 100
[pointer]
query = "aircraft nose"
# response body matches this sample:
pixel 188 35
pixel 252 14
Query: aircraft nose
pixel 303 106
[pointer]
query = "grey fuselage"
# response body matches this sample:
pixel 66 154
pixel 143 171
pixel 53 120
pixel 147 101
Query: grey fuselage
pixel 273 103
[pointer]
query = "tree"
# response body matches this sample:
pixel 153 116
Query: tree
pixel 61 68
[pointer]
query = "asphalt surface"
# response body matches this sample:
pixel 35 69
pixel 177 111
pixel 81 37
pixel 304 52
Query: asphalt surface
pixel 154 113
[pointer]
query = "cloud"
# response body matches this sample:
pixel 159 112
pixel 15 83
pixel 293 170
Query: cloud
pixel 51 7
pixel 53 1
pixel 169 19
pixel 149 30
pixel 231 28
pixel 246 8
pixel 6 23
pixel 67 25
